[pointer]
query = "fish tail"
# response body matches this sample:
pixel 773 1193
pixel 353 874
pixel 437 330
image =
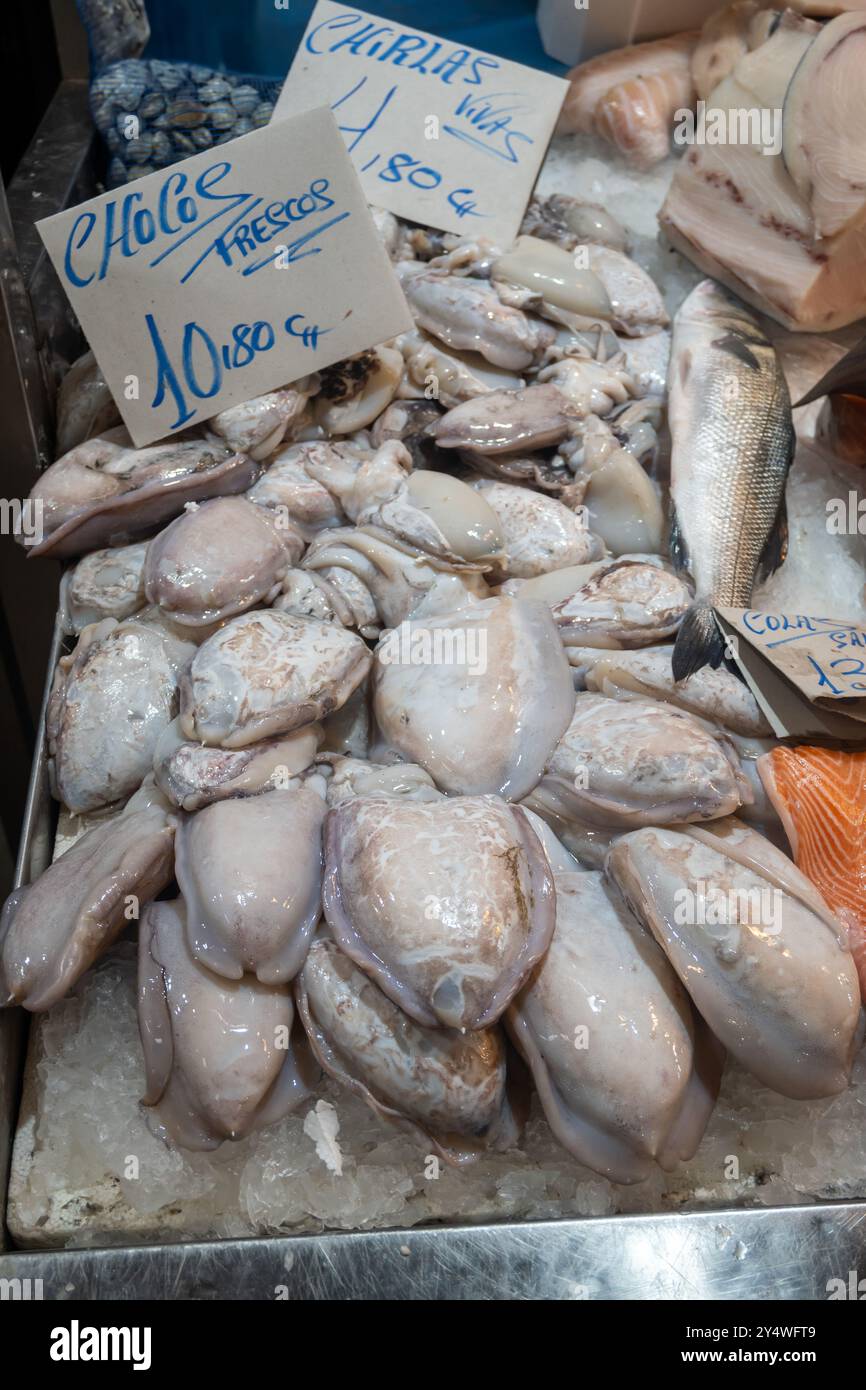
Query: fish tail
pixel 699 642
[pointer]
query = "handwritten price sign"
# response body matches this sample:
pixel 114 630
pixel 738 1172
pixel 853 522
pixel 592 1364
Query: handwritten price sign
pixel 438 133
pixel 228 275
pixel 826 657
pixel 807 673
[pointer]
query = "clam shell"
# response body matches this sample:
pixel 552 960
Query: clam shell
pixel 139 151
pixel 186 114
pixel 162 150
pixel 182 142
pixel 262 114
pixel 214 88
pixel 221 115
pixel 152 105
pixel 245 100
pixel 168 75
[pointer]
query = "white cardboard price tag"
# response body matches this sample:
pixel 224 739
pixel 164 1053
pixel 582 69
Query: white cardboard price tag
pixel 808 674
pixel 439 133
pixel 230 274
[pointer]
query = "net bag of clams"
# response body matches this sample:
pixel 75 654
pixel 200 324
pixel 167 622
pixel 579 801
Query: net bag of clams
pixel 151 113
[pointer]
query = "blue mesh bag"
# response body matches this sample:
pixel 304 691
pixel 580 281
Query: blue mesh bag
pixel 151 113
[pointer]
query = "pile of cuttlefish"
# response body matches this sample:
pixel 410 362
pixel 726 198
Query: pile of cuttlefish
pixel 381 723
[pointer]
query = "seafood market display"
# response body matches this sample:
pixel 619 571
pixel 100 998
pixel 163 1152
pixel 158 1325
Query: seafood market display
pixel 394 720
pixel 773 216
pixel 770 199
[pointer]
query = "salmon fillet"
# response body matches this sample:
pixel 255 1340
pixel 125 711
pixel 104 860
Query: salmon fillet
pixel 820 795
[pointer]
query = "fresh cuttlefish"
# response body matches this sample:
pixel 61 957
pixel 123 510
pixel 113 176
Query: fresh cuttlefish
pixel 630 96
pixel 250 873
pixel 446 1088
pixel 426 511
pixel 408 420
pixel 365 579
pixel 539 533
pixel 53 930
pixel 447 904
pixel 268 673
pixel 352 776
pixel 594 282
pixel 354 392
pixel 104 584
pixel 623 1068
pixel 298 498
pixel 621 501
pixel 85 405
pixel 448 375
pixel 221 1056
pixel 467 314
pixel 591 387
pixel 636 301
pixel 258 427
pixel 718 696
pixel 623 764
pixel 105 491
pixel 193 775
pixel 634 601
pixel 422 545
pixel 568 222
pixel 754 945
pixel 732 445
pixel 507 422
pixel 110 701
pixel 479 697
pixel 540 415
pixel 820 795
pixel 555 276
pixel 217 559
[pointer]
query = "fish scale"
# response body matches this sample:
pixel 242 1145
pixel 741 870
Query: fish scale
pixel 732 444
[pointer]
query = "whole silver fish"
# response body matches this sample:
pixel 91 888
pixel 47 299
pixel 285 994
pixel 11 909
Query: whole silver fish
pixel 732 445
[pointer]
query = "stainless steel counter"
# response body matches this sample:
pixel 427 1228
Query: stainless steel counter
pixel 775 1254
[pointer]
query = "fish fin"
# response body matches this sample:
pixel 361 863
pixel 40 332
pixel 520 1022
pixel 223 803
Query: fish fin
pixel 739 348
pixel 699 642
pixel 776 549
pixel 676 542
pixel 848 376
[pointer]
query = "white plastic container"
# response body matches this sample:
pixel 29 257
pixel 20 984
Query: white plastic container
pixel 574 30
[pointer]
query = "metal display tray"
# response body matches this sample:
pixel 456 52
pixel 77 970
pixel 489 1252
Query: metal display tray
pixel 731 1253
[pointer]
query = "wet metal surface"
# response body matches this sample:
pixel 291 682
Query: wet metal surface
pixel 774 1254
